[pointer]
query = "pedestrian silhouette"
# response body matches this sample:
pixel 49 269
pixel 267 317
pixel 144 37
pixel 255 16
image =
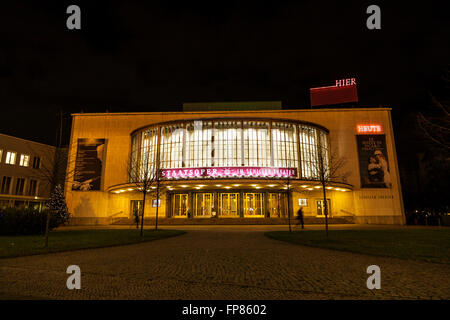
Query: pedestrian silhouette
pixel 300 216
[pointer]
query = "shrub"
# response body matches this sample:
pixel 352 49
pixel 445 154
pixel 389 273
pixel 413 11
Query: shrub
pixel 26 221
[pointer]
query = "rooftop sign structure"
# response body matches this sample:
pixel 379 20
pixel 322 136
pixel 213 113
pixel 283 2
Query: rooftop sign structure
pixel 342 92
pixel 232 106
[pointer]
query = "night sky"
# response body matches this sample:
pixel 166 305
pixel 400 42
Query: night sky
pixel 130 56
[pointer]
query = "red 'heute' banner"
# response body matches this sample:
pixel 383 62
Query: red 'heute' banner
pixel 333 95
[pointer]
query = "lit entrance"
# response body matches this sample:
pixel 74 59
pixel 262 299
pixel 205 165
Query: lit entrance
pixel 180 205
pixel 228 204
pixel 203 204
pixel 321 207
pixel 136 208
pixel 254 205
pixel 276 205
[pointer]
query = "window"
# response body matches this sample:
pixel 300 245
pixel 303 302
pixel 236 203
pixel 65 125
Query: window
pixel 228 205
pixel 257 150
pixel 36 162
pixel 32 188
pixel 1 154
pixel 227 147
pixel 20 183
pixel 6 183
pixel 204 202
pixel 253 205
pixel 180 205
pixel 10 157
pixel 24 160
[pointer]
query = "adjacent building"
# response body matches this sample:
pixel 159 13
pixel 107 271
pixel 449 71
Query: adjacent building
pixel 235 160
pixel 25 168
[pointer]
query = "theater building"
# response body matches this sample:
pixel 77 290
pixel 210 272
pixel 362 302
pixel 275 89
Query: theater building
pixel 238 161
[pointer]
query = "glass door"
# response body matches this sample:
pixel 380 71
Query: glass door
pixel 180 205
pixel 228 205
pixel 276 205
pixel 254 205
pixel 203 204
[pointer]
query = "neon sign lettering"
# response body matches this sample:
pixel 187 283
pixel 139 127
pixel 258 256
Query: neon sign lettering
pixel 228 172
pixel 345 82
pixel 369 128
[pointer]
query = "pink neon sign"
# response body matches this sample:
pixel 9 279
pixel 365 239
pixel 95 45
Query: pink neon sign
pixel 228 172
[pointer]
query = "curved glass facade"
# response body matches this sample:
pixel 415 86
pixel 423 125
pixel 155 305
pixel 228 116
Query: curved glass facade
pixel 213 143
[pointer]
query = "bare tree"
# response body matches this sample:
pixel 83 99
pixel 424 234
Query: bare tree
pixel 52 171
pixel 144 174
pixel 328 169
pixel 436 128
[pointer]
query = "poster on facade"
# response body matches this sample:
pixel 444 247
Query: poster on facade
pixel 373 161
pixel 88 164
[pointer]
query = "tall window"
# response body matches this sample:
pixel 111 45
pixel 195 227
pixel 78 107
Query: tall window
pixel 308 150
pixel 257 144
pixel 20 183
pixel 24 160
pixel 32 188
pixel 284 142
pixel 172 138
pixel 10 157
pixel 6 185
pixel 1 154
pixel 36 162
pixel 199 144
pixel 227 143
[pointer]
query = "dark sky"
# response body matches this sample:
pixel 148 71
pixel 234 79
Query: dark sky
pixel 131 56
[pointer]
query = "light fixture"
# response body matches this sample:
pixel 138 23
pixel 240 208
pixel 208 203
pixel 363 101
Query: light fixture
pixel 271 185
pixel 130 189
pixel 218 185
pixel 329 188
pixel 304 186
pixel 183 186
pixel 236 185
pixel 227 187
pixel 317 187
pixel 310 189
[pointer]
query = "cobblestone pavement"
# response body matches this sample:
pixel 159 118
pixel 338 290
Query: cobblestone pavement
pixel 219 264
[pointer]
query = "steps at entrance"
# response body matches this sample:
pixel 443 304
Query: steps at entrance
pixel 233 221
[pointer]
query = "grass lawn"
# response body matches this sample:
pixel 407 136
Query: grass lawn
pixel 431 245
pixel 13 246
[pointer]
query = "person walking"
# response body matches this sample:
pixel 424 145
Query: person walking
pixel 136 217
pixel 300 216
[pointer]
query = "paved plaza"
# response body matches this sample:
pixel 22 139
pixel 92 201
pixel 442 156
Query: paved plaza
pixel 219 263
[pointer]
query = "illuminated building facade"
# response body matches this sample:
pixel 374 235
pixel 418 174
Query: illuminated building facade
pixel 242 164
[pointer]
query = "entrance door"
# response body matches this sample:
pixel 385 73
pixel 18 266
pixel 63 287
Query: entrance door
pixel 203 204
pixel 136 208
pixel 276 205
pixel 228 205
pixel 254 205
pixel 180 205
pixel 321 207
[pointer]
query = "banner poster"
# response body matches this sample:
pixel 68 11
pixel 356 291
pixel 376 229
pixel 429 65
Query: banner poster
pixel 88 164
pixel 373 161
